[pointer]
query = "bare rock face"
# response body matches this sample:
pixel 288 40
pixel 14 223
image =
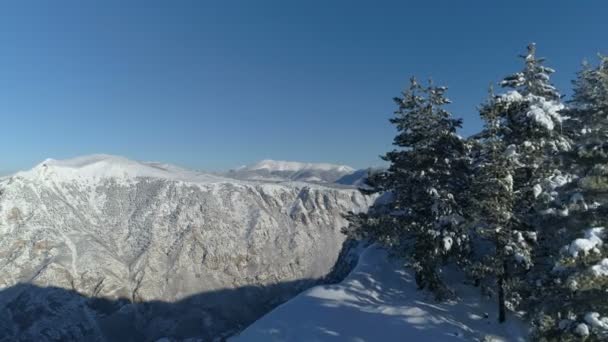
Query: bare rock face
pixel 104 248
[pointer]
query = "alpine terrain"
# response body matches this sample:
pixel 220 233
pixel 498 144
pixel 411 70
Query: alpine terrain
pixel 105 248
pixel 275 170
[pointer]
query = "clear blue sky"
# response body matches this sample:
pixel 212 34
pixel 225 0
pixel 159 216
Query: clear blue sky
pixel 217 84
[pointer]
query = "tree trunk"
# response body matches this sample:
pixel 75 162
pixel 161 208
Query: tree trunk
pixel 502 309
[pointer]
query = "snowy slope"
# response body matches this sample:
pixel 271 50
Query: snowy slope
pixel 378 301
pixel 274 170
pixel 178 252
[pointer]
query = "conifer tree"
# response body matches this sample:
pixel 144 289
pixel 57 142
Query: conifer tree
pixel 491 208
pixel 423 221
pixel 532 121
pixel 531 130
pixel 572 301
pixel 521 142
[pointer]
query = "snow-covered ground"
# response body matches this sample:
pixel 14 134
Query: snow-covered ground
pixel 378 301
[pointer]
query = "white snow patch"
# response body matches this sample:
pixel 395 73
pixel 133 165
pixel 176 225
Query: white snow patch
pixel 543 112
pixel 510 96
pixel 595 321
pixel 558 180
pixel 537 190
pixel 579 199
pixel 582 330
pixel 520 257
pixel 564 212
pixel 511 151
pixel 379 301
pixel 601 269
pixel 592 239
pixel 447 243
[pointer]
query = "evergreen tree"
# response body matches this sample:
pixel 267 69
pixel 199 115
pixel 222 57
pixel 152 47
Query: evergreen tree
pixel 534 78
pixel 423 221
pixel 521 143
pixel 491 209
pixel 572 301
pixel 531 121
pixel 531 130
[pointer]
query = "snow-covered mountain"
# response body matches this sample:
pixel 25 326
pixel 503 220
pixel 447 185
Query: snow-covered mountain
pixel 105 248
pixel 278 171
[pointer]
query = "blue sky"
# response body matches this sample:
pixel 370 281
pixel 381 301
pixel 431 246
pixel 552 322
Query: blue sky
pixel 217 84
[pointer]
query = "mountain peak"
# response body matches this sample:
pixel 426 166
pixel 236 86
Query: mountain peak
pixel 292 166
pixel 98 166
pixel 280 170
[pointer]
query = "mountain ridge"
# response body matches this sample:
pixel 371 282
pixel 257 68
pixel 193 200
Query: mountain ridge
pixel 108 227
pixel 281 171
pixel 282 165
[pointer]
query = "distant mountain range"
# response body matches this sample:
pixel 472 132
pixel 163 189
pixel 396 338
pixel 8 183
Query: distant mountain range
pixel 281 171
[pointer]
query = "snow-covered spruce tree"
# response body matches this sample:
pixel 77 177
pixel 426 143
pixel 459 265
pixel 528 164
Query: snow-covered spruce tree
pixel 423 219
pixel 491 209
pixel 524 125
pixel 573 302
pixel 532 123
pixel 531 128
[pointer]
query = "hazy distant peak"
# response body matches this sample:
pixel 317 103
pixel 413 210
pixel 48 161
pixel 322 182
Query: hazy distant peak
pixel 292 166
